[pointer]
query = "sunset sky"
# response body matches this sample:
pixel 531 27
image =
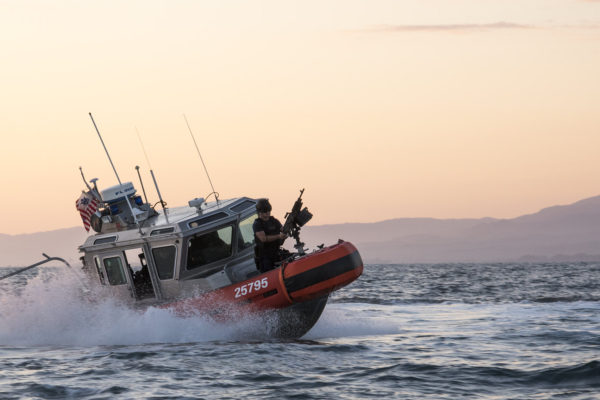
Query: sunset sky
pixel 380 109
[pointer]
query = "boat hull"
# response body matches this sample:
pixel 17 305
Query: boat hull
pixel 296 320
pixel 297 291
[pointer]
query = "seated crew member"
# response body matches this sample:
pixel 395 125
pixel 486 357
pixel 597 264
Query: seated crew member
pixel 141 278
pixel 267 236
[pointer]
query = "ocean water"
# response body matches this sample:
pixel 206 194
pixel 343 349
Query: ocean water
pixel 489 331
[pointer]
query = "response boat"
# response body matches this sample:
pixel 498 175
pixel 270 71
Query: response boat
pixel 200 258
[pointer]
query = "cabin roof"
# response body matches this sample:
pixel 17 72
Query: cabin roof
pixel 179 214
pixel 178 218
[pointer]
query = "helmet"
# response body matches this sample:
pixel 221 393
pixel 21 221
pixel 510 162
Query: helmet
pixel 263 205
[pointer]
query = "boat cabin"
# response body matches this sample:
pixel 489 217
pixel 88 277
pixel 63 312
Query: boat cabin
pixel 154 257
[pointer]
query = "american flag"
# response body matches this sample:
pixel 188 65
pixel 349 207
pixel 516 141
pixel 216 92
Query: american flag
pixel 86 205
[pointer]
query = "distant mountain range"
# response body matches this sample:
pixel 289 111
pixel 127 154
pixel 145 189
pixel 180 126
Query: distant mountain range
pixel 22 250
pixel 559 233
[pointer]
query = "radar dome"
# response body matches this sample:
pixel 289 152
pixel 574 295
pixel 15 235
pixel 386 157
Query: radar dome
pixel 118 192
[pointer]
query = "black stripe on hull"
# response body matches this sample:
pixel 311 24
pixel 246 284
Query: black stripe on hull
pixel 323 272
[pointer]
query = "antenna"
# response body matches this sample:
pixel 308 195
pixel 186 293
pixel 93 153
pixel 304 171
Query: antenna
pixel 162 203
pixel 137 168
pixel 201 159
pixel 103 145
pixel 143 148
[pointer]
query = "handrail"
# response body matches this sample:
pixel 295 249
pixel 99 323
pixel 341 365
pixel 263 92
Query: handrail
pixel 48 259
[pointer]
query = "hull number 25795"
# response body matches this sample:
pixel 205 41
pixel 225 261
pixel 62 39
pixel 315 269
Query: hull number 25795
pixel 251 287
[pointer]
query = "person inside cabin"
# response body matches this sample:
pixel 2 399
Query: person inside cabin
pixel 141 278
pixel 267 236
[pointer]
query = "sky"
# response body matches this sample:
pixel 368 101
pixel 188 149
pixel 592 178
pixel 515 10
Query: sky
pixel 379 109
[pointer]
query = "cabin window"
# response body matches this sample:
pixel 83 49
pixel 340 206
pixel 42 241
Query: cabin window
pixel 209 247
pixel 114 271
pixel 242 206
pixel 99 270
pixel 206 220
pixel 106 239
pixel 164 258
pixel 161 231
pixel 246 238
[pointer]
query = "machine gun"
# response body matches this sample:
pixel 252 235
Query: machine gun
pixel 294 220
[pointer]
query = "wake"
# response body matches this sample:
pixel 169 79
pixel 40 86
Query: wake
pixel 51 309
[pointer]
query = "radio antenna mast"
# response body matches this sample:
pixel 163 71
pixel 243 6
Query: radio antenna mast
pixel 103 145
pixel 162 203
pixel 114 169
pixel 201 159
pixel 137 168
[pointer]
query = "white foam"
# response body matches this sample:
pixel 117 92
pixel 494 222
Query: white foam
pixel 52 311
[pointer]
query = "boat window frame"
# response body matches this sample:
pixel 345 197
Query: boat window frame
pixel 240 235
pixel 207 219
pixel 230 224
pixel 174 268
pixel 122 264
pixel 162 231
pixel 100 270
pixel 242 206
pixel 105 240
pixel 138 292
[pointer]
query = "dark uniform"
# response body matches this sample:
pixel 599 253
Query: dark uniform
pixel 267 253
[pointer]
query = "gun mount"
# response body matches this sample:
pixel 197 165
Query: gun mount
pixel 296 219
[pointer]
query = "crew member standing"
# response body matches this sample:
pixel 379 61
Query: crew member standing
pixel 267 236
